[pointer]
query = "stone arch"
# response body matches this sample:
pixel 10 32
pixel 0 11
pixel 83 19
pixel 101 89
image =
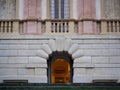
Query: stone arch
pixel 60 45
pixel 62 63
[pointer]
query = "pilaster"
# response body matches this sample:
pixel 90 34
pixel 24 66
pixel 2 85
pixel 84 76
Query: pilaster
pixel 17 9
pixel 102 9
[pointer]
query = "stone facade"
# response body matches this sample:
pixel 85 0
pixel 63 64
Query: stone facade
pixel 111 9
pixel 94 57
pixel 7 9
pixel 26 43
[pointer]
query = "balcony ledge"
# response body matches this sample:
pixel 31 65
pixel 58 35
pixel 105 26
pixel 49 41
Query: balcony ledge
pixel 49 36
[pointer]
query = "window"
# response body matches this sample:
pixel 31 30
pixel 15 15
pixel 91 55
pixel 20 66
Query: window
pixel 59 9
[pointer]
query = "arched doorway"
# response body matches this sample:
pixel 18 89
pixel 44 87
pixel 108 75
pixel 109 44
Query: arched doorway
pixel 60 71
pixel 60 68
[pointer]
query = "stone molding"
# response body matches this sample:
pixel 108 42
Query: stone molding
pixel 53 37
pixel 59 45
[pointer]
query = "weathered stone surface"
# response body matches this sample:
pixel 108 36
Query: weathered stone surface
pixel 60 43
pixel 109 41
pixel 7 12
pixel 18 60
pixel 115 60
pixel 93 46
pixel 31 71
pixel 32 9
pixel 112 9
pixel 27 52
pixel 52 45
pixel 13 65
pixel 67 44
pixel 8 53
pixel 23 71
pixel 36 66
pixel 107 65
pixel 106 71
pixel 114 46
pixel 41 71
pixel 37 60
pixel 105 77
pixel 42 54
pixel 22 40
pixel 3 60
pixel 3 47
pixel 79 71
pixel 78 53
pixel 89 71
pixel 38 79
pixel 82 79
pixel 3 9
pixel 81 65
pixel 100 59
pixel 12 9
pixel 73 48
pixel 36 46
pixel 31 79
pixel 97 52
pixel 8 71
pixel 18 47
pixel 86 9
pixel 83 59
pixel 46 48
pixel 96 58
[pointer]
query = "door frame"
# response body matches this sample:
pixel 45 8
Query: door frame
pixel 59 55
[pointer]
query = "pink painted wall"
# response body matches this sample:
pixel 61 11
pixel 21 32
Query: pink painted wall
pixel 86 10
pixel 32 10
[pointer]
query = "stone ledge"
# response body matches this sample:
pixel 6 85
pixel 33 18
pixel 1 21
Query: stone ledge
pixel 36 66
pixel 105 77
pixel 82 79
pixel 107 65
pixel 30 78
pixel 12 65
pixel 23 65
pixel 47 37
pixel 79 65
pixel 105 81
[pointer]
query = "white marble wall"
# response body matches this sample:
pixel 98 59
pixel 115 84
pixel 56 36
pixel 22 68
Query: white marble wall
pixel 95 57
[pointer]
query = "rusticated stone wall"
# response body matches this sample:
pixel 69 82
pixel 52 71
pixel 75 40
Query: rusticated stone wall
pixel 7 9
pixel 112 9
pixel 94 57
